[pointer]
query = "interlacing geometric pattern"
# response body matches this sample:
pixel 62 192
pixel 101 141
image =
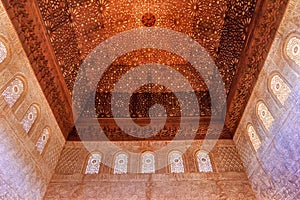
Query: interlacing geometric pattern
pixel 264 115
pixel 121 163
pixel 148 163
pixel 29 118
pixel 204 164
pixel 176 162
pixel 293 50
pixel 3 52
pixel 82 25
pixel 280 89
pixel 13 91
pixel 253 137
pixel 42 141
pixel 93 164
pixel 228 160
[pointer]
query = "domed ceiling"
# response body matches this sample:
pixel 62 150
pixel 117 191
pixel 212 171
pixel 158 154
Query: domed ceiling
pixel 235 33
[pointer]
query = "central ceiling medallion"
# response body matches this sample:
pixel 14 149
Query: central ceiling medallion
pixel 148 19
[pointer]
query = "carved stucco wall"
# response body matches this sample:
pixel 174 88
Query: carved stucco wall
pixel 24 172
pixel 274 170
pixel 228 181
pixel 154 186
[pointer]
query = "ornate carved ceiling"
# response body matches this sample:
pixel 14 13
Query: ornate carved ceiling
pixel 76 27
pixel 61 33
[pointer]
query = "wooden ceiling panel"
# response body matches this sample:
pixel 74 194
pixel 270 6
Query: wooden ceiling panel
pixel 236 33
pixel 76 27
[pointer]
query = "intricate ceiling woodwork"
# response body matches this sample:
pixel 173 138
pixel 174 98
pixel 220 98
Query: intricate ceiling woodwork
pixel 237 34
pixel 137 58
pixel 76 27
pixel 148 19
pixel 145 97
pixel 109 130
pixel 267 18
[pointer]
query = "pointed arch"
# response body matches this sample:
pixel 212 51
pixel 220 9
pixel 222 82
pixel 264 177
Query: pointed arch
pixel 176 162
pixel 148 162
pixel 204 163
pixel 93 163
pixel 121 163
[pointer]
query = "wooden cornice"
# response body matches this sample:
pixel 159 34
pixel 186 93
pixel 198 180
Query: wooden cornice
pixel 28 23
pixel 267 17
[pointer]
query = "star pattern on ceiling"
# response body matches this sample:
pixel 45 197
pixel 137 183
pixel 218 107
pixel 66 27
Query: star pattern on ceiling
pixel 76 27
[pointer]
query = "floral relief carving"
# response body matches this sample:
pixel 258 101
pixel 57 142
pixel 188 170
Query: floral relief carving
pixel 3 52
pixel 176 162
pixel 93 164
pixel 264 115
pixel 293 49
pixel 148 163
pixel 29 118
pixel 13 91
pixel 279 88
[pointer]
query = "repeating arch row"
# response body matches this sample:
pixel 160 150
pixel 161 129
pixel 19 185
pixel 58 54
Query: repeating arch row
pixel 13 93
pixel 121 161
pixel 279 89
pixel 266 119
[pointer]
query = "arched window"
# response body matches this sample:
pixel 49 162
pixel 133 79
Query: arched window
pixel 93 164
pixel 264 115
pixel 13 91
pixel 253 137
pixel 3 52
pixel 121 164
pixel 204 164
pixel 148 163
pixel 176 162
pixel 293 49
pixel 29 118
pixel 42 141
pixel 280 90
